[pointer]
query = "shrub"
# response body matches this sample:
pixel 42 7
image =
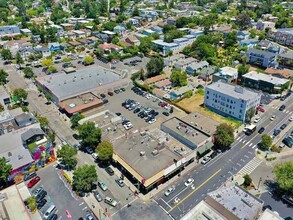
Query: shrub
pixel 247 180
pixel 275 148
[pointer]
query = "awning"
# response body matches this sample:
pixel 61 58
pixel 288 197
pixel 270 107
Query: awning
pixel 205 148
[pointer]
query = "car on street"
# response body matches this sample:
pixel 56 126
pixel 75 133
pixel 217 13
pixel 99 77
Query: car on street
pixel 282 108
pixel 189 182
pixel 276 132
pixel 169 191
pixel 95 156
pixel 120 182
pixel 37 191
pixel 259 108
pixel 273 118
pixel 205 160
pixel 98 196
pixel 89 150
pixel 110 171
pixel 33 181
pixel 261 130
pixel 102 185
pixel 283 126
pixel 41 204
pixel 118 113
pixel 53 217
pixel 256 120
pixel 291 118
pixel 117 91
pixel 110 201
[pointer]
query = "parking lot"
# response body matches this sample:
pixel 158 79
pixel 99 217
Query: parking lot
pixel 58 195
pixel 142 102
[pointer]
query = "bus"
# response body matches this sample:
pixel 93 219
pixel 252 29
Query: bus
pixel 250 129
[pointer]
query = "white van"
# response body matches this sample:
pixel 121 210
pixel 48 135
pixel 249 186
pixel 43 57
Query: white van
pixel 50 211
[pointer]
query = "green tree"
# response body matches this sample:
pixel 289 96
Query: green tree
pixel 47 62
pixel 75 119
pixel 19 59
pixel 145 45
pixel 231 39
pixel 3 77
pixel 20 94
pixel 67 155
pixel 224 135
pixel 266 141
pixel 247 180
pixel 249 114
pixel 283 175
pixel 88 60
pixel 135 11
pixel 243 21
pixel 105 150
pixel 44 122
pixel 179 78
pixel 115 40
pixel 173 34
pixel 84 177
pixel 6 54
pixel 28 72
pixel 167 28
pixel 31 203
pixel 109 26
pixel 51 137
pixel 5 170
pixel 89 134
pixel 242 69
pixel 155 66
pixel 51 69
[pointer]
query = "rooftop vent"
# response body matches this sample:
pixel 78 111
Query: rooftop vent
pixel 142 153
pixel 20 157
pixel 155 152
pixel 9 154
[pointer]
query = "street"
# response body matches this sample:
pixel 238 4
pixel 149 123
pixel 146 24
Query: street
pixel 214 174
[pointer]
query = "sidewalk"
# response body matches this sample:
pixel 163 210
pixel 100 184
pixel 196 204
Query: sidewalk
pixel 95 206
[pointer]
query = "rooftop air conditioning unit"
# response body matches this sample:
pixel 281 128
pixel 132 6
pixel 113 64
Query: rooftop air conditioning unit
pixel 155 152
pixel 142 153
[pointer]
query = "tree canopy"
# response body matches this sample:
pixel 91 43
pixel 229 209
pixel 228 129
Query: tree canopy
pixel 105 150
pixel 88 60
pixel 67 155
pixel 224 135
pixel 266 141
pixel 3 77
pixel 109 26
pixel 84 177
pixel 89 134
pixel 20 94
pixel 19 59
pixel 145 45
pixel 283 175
pixel 75 119
pixel 173 34
pixel 47 62
pixel 28 72
pixel 5 170
pixel 155 66
pixel 179 78
pixel 44 122
pixel 6 54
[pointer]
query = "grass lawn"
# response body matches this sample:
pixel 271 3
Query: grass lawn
pixel 32 146
pixel 193 104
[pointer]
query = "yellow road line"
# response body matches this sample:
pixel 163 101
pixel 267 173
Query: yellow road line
pixel 208 179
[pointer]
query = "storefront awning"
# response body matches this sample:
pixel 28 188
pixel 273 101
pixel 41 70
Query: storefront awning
pixel 205 148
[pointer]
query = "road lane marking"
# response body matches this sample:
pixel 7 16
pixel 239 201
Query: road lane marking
pixel 207 180
pixel 244 141
pixel 166 203
pixel 254 146
pixel 237 138
pixel 84 208
pixel 178 194
pixel 250 144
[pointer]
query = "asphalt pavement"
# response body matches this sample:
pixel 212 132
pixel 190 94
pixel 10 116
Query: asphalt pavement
pixel 214 174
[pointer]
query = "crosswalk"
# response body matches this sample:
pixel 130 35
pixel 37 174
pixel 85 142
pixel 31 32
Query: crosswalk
pixel 246 143
pixel 251 166
pixel 285 111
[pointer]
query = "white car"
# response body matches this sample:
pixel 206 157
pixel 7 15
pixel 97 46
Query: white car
pixel 273 118
pixel 291 118
pixel 110 201
pixel 128 126
pixel 189 182
pixel 256 120
pixel 205 160
pixel 169 191
pixel 95 156
pixel 152 121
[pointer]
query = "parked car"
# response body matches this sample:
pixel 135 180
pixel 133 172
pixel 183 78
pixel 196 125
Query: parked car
pixel 33 181
pixel 89 150
pixel 53 217
pixel 111 201
pixel 214 154
pixel 276 132
pixel 256 120
pixel 41 204
pixel 89 217
pixel 28 176
pixel 259 108
pixel 117 91
pixel 109 171
pixel 291 118
pixel 166 113
pixel 283 126
pixel 98 196
pixel 169 191
pixel 41 196
pixel 205 160
pixel 273 118
pixel 282 108
pixel 37 191
pixel 261 130
pixel 110 93
pixel 95 156
pixel 120 182
pixel 189 182
pixel 102 185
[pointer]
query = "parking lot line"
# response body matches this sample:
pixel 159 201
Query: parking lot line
pixel 166 203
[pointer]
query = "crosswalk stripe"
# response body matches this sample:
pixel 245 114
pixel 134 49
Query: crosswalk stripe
pixel 244 141
pixel 254 146
pixel 237 138
pixel 250 144
pixel 249 167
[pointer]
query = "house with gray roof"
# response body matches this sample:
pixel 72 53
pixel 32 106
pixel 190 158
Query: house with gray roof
pixel 261 57
pixel 195 67
pixel 32 135
pixel 230 100
pixel 9 31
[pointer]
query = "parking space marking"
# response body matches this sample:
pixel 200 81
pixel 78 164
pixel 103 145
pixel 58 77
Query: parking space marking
pixel 166 203
pixel 81 204
pixel 254 146
pixel 84 208
pixel 250 144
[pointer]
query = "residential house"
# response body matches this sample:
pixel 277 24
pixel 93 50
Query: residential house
pixel 101 36
pixel 230 100
pixel 36 38
pixel 248 43
pixel 261 57
pixel 180 92
pixel 132 40
pixel 269 46
pixel 4 97
pixel 226 74
pixel 163 84
pixel 243 35
pixel 25 119
pixel 195 67
pixel 262 25
pixel 109 48
pixel 158 78
pixel 171 21
pixel 286 59
pixel 45 51
pixel 182 64
pixel 120 30
pixel 54 47
pixel 26 31
pixel 139 36
pixel 15 45
pixel 157 29
pixel 67 26
pixel 264 82
pixel 58 27
pixel 206 73
pixel 223 29
pixel 134 22
pixel 148 32
pixel 79 34
pixel 282 36
pixel 26 52
pixel 280 73
pixel 171 60
pixel 159 93
pixel 195 32
pixel 9 31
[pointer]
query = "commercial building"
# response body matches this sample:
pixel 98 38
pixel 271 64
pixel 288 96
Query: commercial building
pixel 230 100
pixel 264 82
pixel 64 86
pixel 234 203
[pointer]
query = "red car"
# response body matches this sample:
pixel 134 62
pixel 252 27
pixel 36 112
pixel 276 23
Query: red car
pixel 259 108
pixel 110 93
pixel 164 104
pixel 33 182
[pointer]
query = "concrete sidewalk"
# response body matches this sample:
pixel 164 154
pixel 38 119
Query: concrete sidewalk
pixel 96 208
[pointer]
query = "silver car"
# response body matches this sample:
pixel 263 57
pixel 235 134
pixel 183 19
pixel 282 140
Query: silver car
pixel 169 191
pixel 111 201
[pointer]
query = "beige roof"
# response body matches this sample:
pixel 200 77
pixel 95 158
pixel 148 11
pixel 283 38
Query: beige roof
pixel 156 78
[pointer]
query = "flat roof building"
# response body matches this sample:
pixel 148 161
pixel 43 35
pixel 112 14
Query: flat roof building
pixel 64 86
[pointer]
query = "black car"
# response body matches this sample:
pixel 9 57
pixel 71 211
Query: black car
pixel 102 95
pixel 41 195
pixel 261 130
pixel 122 89
pixel 41 203
pixel 117 91
pixel 105 101
pixel 282 108
pixel 283 126
pixel 118 113
pixel 166 113
pixel 276 132
pixel 213 154
pixel 28 176
pixel 53 217
pixel 109 171
pixel 136 110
